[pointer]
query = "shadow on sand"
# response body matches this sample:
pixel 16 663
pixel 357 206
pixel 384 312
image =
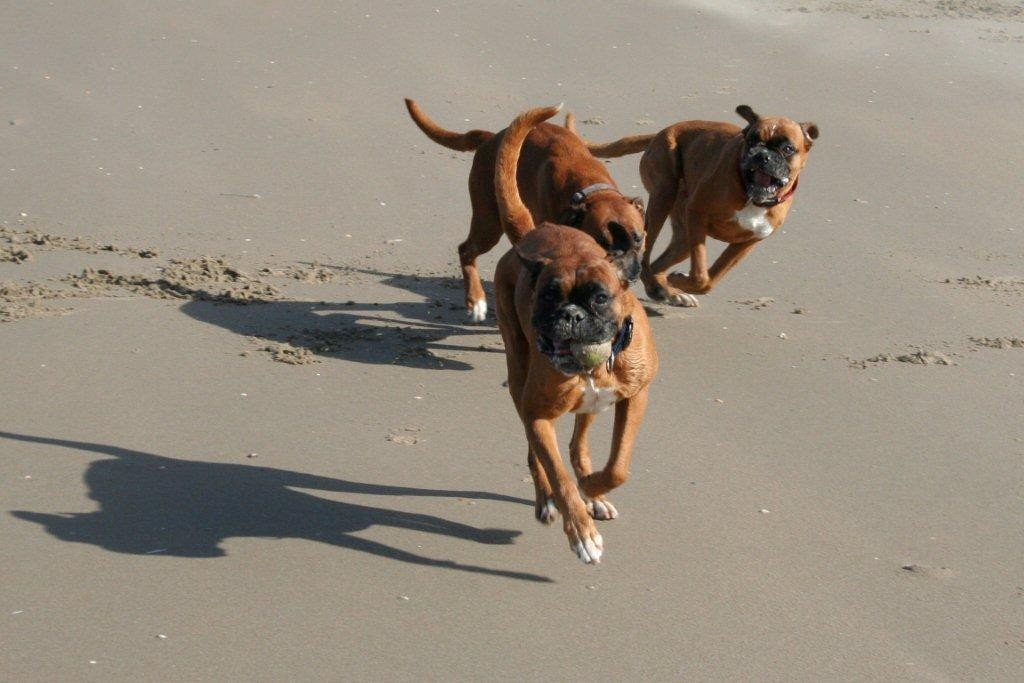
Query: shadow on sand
pixel 151 504
pixel 408 334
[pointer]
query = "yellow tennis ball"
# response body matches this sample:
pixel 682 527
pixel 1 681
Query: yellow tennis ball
pixel 591 355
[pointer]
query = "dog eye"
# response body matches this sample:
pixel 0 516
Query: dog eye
pixel 600 299
pixel 549 295
pixel 788 149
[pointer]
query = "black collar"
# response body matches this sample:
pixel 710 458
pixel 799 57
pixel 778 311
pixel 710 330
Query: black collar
pixel 623 338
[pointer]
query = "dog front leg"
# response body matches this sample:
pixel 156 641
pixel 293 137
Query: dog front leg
pixel 544 502
pixel 579 445
pixel 579 528
pixel 579 456
pixel 629 413
pixel 702 284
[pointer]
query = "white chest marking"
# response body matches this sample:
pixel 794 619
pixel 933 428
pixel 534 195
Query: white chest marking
pixel 595 399
pixel 754 219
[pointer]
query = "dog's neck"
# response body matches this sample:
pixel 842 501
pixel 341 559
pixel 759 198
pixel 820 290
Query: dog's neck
pixel 573 216
pixel 579 197
pixel 623 338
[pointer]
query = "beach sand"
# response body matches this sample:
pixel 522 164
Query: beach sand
pixel 248 434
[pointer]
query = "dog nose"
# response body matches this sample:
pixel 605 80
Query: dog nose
pixel 572 314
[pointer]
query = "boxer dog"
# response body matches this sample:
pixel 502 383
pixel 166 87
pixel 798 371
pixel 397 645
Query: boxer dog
pixel 576 340
pixel 561 181
pixel 713 179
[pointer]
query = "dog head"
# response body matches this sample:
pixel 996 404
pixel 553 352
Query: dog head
pixel 616 222
pixel 578 292
pixel 774 151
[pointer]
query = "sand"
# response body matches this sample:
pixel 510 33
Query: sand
pixel 248 434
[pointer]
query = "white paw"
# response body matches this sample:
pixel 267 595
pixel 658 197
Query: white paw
pixel 601 509
pixel 478 313
pixel 590 549
pixel 683 299
pixel 548 513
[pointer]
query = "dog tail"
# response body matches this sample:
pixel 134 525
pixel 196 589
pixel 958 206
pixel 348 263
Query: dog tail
pixel 460 142
pixel 515 217
pixel 570 122
pixel 621 147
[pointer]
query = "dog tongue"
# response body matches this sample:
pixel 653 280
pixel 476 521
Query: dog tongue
pixel 762 179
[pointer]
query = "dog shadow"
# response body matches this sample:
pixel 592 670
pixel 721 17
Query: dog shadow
pixel 156 505
pixel 409 334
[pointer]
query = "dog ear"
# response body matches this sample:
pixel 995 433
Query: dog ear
pixel 571 217
pixel 534 263
pixel 639 204
pixel 570 122
pixel 810 132
pixel 748 114
pixel 623 253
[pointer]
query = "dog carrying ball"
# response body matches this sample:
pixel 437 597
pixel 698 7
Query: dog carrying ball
pixel 591 355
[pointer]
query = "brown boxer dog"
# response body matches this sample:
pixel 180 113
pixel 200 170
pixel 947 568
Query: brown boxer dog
pixel 576 340
pixel 713 179
pixel 561 181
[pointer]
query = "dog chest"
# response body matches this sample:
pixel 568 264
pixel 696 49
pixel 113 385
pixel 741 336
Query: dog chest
pixel 595 399
pixel 754 219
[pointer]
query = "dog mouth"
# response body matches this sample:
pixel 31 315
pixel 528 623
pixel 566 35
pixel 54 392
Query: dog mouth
pixel 561 354
pixel 764 185
pixel 555 348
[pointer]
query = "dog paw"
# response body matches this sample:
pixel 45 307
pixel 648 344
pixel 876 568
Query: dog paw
pixel 546 512
pixel 590 550
pixel 478 311
pixel 657 293
pixel 679 298
pixel 585 541
pixel 601 509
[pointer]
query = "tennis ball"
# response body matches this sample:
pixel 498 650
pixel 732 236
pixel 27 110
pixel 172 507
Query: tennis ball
pixel 591 355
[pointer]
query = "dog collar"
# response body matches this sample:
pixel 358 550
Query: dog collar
pixel 622 340
pixel 580 196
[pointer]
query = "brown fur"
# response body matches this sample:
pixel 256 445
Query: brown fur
pixel 554 164
pixel 541 393
pixel 621 147
pixel 570 122
pixel 690 170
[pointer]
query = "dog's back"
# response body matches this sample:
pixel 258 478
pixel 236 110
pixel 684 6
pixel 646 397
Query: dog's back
pixel 554 163
pixel 557 177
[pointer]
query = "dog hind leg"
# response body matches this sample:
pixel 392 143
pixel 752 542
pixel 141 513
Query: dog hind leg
pixel 676 252
pixel 662 198
pixel 517 354
pixel 484 233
